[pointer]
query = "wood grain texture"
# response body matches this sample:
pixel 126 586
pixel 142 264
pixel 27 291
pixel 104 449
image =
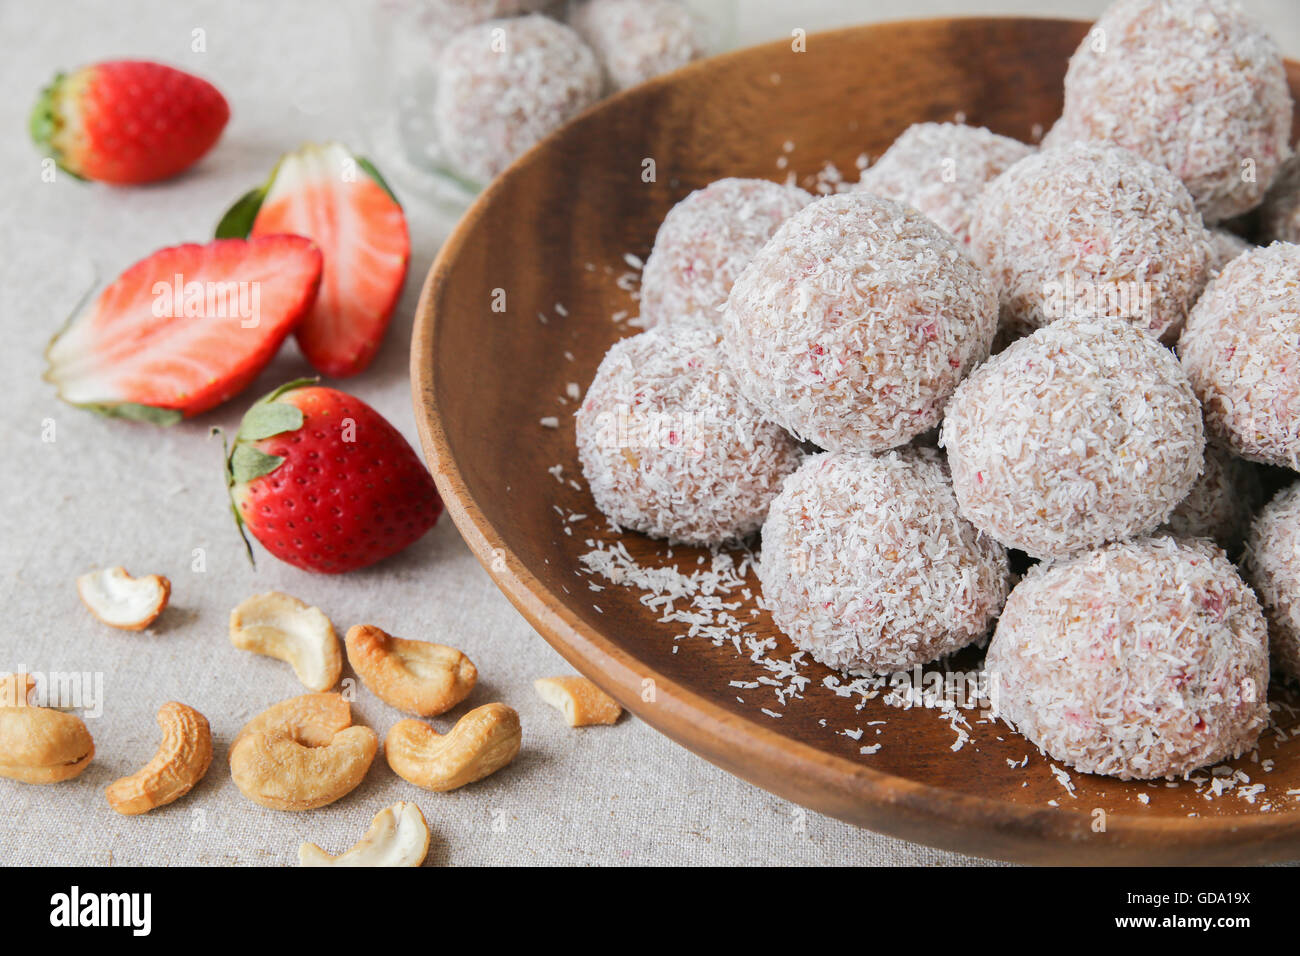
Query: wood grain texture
pixel 554 229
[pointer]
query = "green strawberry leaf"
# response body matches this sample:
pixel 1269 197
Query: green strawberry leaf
pixel 373 173
pixel 238 221
pixel 270 418
pixel 248 463
pixel 132 411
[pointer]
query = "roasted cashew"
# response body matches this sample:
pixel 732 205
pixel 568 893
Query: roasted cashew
pixel 581 701
pixel 181 761
pixel 481 743
pixel 122 601
pixel 39 744
pixel 398 836
pixel 280 626
pixel 302 753
pixel 418 677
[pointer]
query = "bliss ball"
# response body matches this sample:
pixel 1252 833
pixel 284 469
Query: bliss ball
pixel 704 243
pixel 452 15
pixel 669 446
pixel 940 169
pixel 1241 350
pixel 1093 228
pixel 1272 565
pixel 856 321
pixel 1085 432
pixel 504 85
pixel 1137 660
pixel 638 39
pixel 1196 86
pixel 867 565
pixel 1279 216
pixel 1221 504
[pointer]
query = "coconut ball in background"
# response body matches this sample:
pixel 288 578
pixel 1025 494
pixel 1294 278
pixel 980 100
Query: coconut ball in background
pixel 1085 432
pixel 1279 216
pixel 670 448
pixel 704 243
pixel 1137 660
pixel 1224 247
pixel 867 565
pixel 503 85
pixel 638 39
pixel 1221 504
pixel 940 169
pixel 1196 86
pixel 1087 227
pixel 856 321
pixel 1272 565
pixel 452 15
pixel 1241 350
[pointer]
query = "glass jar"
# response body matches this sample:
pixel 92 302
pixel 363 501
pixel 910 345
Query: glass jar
pixel 399 44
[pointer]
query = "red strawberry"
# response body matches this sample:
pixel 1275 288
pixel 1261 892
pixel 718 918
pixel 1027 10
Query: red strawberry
pixel 186 328
pixel 325 482
pixel 340 201
pixel 128 121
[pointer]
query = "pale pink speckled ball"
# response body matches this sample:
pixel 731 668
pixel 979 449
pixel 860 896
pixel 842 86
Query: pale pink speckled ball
pixel 1272 565
pixel 637 40
pixel 1138 660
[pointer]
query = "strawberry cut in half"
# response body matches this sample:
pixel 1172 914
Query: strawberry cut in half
pixel 325 483
pixel 127 121
pixel 185 329
pixel 341 202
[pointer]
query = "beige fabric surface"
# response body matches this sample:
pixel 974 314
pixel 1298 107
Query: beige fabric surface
pixel 103 493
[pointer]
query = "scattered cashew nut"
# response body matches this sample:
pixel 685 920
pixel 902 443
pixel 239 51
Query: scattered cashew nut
pixel 280 626
pixel 39 744
pixel 418 677
pixel 398 836
pixel 122 601
pixel 181 761
pixel 581 701
pixel 481 743
pixel 302 753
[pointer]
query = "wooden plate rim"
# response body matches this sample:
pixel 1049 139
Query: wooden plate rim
pixel 884 802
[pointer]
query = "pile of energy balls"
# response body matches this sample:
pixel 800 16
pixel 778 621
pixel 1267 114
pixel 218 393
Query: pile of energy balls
pixel 1070 352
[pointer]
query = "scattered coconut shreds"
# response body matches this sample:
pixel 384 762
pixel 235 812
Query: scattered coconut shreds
pixel 1144 798
pixel 870 749
pixel 1063 778
pixel 549 421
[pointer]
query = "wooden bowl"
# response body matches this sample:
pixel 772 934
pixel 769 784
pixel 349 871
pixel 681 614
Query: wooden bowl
pixel 546 243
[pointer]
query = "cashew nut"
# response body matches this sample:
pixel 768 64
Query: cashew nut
pixel 280 626
pixel 181 761
pixel 415 676
pixel 39 744
pixel 481 743
pixel 302 753
pixel 398 836
pixel 581 701
pixel 122 601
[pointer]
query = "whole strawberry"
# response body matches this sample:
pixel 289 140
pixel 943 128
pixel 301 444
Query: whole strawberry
pixel 128 121
pixel 325 483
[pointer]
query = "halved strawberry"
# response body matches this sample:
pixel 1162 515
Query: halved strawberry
pixel 340 201
pixel 186 328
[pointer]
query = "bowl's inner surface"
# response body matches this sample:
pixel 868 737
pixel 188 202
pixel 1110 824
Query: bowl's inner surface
pixel 551 239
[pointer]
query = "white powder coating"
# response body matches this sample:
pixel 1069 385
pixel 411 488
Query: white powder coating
pixel 1279 216
pixel 1241 350
pixel 669 447
pixel 1272 565
pixel 854 324
pixel 1085 432
pixel 1138 660
pixel 638 39
pixel 1087 227
pixel 704 243
pixel 1196 86
pixel 867 565
pixel 504 85
pixel 1222 502
pixel 940 169
pixel 1224 247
